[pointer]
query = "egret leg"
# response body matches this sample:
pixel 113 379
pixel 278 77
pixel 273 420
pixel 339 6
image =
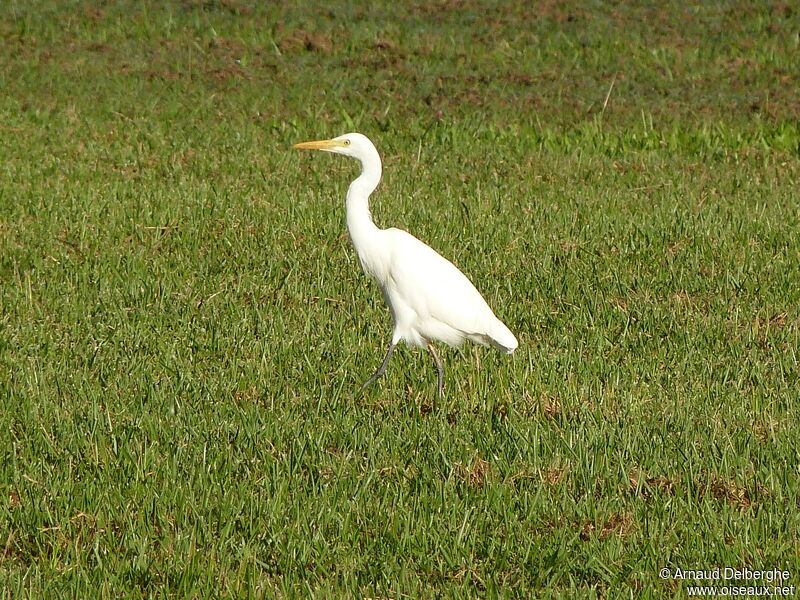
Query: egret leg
pixel 382 369
pixel 439 367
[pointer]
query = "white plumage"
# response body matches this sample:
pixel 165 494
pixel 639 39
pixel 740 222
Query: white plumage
pixel 430 299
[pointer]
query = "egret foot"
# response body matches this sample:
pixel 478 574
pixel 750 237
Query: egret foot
pixel 382 369
pixel 439 367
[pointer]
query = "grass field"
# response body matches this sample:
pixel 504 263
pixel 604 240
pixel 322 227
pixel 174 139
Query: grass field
pixel 184 326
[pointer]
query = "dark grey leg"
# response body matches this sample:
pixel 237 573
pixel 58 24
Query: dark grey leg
pixel 439 367
pixel 382 369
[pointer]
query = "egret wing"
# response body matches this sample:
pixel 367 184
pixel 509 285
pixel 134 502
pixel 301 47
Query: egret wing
pixel 434 287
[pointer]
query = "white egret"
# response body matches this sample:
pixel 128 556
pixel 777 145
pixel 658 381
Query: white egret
pixel 429 298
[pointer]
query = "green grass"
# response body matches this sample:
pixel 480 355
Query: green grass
pixel 184 326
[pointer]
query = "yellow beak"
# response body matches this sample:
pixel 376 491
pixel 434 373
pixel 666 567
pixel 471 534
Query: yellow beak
pixel 319 145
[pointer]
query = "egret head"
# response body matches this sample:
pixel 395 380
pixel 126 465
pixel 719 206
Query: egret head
pixel 354 145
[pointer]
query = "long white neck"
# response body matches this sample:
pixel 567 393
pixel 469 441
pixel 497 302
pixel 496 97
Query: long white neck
pixel 359 221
